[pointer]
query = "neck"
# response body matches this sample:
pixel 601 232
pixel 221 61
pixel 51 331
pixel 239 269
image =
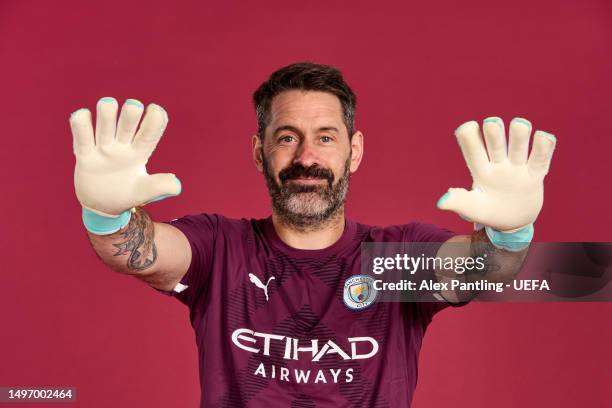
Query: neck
pixel 319 236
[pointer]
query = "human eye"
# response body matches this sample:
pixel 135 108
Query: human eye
pixel 286 139
pixel 326 139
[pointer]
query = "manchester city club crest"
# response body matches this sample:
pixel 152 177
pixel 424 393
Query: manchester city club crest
pixel 359 292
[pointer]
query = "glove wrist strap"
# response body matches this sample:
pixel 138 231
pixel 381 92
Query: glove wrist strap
pixel 511 241
pixel 100 225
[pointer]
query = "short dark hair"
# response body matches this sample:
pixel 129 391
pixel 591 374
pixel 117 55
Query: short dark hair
pixel 306 76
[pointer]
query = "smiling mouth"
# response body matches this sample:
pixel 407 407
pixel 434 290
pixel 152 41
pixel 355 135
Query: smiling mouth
pixel 307 180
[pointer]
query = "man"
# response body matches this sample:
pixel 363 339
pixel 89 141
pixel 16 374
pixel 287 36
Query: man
pixel 276 323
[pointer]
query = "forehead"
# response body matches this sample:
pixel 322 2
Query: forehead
pixel 306 109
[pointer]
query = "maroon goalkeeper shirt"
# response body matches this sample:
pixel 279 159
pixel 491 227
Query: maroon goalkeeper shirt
pixel 277 326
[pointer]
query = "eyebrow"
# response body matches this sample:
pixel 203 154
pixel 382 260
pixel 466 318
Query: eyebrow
pixel 295 130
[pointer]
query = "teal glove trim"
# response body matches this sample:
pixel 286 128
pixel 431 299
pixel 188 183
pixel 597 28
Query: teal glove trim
pixel 511 241
pixel 101 225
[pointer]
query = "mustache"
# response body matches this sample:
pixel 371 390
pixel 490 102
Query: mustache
pixel 299 171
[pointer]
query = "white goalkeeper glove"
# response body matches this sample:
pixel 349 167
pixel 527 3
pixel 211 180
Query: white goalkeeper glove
pixel 508 183
pixel 110 176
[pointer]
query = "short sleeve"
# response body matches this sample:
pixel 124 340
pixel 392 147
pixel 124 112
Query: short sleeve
pixel 432 237
pixel 201 231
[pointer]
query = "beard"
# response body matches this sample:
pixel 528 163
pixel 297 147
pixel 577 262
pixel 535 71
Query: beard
pixel 307 206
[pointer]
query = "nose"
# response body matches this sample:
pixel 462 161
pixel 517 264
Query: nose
pixel 306 154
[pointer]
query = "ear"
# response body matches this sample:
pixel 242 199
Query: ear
pixel 257 153
pixel 356 150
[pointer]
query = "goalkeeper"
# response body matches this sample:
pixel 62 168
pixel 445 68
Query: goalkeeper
pixel 281 313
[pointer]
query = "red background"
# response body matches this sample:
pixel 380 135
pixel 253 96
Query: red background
pixel 419 70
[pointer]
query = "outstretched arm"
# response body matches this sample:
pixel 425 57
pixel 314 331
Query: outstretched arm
pixel 112 184
pixel 157 253
pixel 501 266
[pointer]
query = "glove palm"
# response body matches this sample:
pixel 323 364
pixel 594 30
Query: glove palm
pixel 508 189
pixel 110 175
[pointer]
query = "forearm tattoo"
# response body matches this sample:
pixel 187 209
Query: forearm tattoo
pixel 138 242
pixel 480 246
pixel 500 265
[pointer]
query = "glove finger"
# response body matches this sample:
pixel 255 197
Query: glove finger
pixel 541 153
pixel 151 129
pixel 495 137
pixel 468 204
pixel 472 146
pixel 82 132
pixel 128 120
pixel 156 187
pixel 518 145
pixel 106 121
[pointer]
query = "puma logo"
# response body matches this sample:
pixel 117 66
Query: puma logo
pixel 260 285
